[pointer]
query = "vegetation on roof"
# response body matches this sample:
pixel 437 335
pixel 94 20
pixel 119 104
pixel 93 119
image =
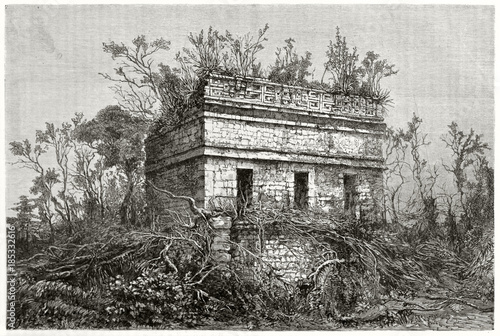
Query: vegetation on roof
pixel 146 86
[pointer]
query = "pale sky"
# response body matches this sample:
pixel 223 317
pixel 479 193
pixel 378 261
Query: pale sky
pixel 444 53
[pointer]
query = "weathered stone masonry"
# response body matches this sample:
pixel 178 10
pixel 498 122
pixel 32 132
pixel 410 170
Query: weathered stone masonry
pixel 283 145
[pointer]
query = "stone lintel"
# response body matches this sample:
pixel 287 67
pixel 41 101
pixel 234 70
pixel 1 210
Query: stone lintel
pixel 262 155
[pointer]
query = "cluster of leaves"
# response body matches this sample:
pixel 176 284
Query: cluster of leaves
pixel 153 300
pixel 289 68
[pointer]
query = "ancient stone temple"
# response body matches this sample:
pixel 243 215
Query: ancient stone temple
pixel 255 141
pixel 258 143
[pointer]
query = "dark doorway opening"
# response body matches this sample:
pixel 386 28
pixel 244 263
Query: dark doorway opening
pixel 350 194
pixel 244 180
pixel 301 189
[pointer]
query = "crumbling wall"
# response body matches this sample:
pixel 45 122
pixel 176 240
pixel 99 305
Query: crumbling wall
pixel 291 259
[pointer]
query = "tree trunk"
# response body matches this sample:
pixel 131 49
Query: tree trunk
pixel 125 206
pixel 52 232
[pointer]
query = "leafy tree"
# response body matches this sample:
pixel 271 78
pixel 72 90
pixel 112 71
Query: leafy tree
pixel 44 181
pixel 471 206
pixel 89 177
pixel 480 207
pixel 482 190
pixel 25 216
pixel 118 137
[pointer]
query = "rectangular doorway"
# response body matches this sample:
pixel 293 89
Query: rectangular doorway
pixel 244 180
pixel 301 189
pixel 350 194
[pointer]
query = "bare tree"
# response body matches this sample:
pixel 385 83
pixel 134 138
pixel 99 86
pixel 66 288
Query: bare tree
pixel 395 178
pixel 410 180
pixel 59 139
pixel 465 149
pixel 422 204
pixel 137 80
pixel 29 157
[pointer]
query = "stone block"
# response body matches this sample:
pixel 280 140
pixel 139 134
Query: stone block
pixel 219 191
pixel 229 176
pixel 220 239
pixel 222 257
pixel 221 246
pixel 221 222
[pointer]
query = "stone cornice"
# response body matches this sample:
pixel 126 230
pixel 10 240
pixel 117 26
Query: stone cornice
pixel 267 155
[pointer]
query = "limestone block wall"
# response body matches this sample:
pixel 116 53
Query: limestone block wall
pixel 167 148
pixel 289 258
pixel 186 179
pixel 276 131
pixel 283 136
pixel 273 183
pixel 212 182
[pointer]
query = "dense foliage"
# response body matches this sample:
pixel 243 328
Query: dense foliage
pixel 167 279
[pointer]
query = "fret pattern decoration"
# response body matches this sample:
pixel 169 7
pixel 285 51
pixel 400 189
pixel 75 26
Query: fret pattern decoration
pixel 264 92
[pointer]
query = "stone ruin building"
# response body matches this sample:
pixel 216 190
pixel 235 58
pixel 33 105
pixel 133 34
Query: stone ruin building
pixel 258 142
